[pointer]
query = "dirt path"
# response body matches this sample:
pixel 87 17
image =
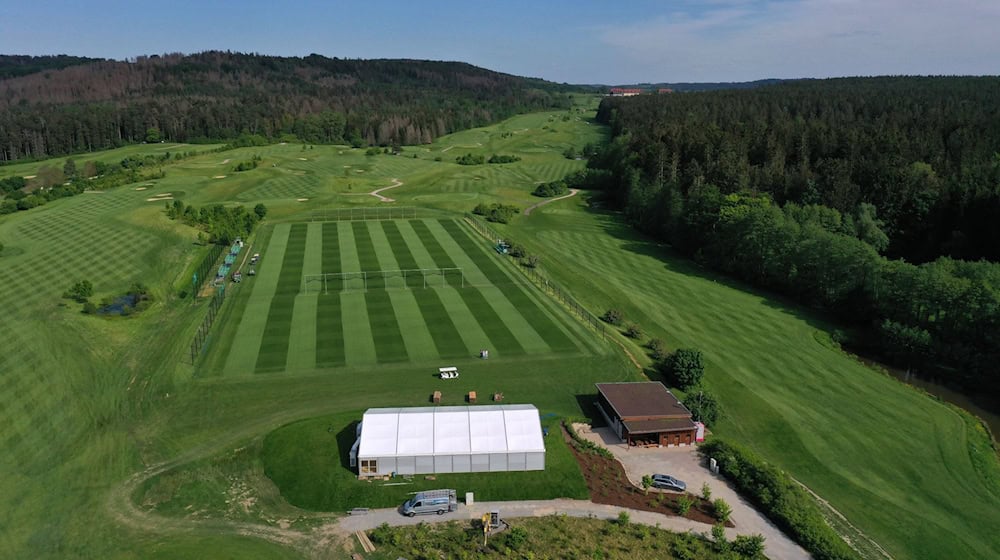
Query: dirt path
pixel 478 145
pixel 395 183
pixel 528 210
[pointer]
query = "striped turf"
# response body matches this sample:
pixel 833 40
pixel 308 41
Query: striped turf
pixel 553 335
pixel 274 343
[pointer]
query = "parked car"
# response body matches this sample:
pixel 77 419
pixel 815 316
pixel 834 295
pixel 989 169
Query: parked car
pixel 667 482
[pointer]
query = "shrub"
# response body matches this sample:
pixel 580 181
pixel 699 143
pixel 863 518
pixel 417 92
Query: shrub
pixel 719 536
pixel 80 291
pixel 722 510
pixel 516 538
pixel 749 546
pixel 684 504
pixel 633 331
pixel 657 349
pixel 623 518
pixel 783 501
pixel 684 367
pixel 613 316
pixel 647 481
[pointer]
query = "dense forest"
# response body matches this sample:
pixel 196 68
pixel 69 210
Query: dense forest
pixel 12 66
pixel 213 96
pixel 827 191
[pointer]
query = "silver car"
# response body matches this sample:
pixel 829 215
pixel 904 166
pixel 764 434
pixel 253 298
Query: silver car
pixel 667 482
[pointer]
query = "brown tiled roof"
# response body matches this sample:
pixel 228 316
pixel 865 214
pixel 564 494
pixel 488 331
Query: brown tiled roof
pixel 650 399
pixel 656 426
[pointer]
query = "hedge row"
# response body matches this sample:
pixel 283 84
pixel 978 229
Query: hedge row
pixel 781 499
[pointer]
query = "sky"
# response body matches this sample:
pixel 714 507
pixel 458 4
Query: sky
pixel 579 41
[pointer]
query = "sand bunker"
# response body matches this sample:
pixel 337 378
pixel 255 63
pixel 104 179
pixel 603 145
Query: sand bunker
pixel 219 177
pixel 159 199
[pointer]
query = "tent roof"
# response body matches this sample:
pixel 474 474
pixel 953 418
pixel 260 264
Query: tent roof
pixel 450 430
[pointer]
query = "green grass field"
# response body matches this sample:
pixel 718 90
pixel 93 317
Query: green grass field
pixel 903 467
pixel 114 445
pixel 455 301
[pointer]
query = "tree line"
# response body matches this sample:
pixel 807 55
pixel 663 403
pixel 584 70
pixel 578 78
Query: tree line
pixel 922 151
pixel 715 204
pixel 213 96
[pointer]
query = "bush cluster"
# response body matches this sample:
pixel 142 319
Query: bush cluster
pixel 500 213
pixel 469 159
pixel 499 158
pixel 613 317
pixel 586 446
pixel 555 188
pixel 782 500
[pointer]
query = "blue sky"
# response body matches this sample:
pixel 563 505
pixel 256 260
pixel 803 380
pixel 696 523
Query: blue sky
pixel 580 41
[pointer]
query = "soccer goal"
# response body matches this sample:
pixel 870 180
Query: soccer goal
pixel 382 280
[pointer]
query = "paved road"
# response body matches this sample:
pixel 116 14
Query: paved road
pixel 527 508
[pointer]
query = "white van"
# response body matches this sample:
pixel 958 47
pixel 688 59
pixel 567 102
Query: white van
pixel 431 501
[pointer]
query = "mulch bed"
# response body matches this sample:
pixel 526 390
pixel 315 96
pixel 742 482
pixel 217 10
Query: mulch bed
pixel 608 485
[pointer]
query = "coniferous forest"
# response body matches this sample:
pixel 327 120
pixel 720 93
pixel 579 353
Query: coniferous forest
pixel 59 105
pixel 877 199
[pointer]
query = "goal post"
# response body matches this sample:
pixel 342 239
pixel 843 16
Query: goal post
pixel 333 282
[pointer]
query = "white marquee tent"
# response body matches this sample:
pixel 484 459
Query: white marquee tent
pixel 449 439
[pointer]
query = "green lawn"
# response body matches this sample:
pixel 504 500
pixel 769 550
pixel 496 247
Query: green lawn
pixel 901 466
pixel 325 481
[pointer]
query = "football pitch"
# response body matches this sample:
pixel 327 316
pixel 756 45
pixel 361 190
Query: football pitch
pixel 360 293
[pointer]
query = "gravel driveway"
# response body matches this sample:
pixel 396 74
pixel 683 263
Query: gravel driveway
pixel 686 464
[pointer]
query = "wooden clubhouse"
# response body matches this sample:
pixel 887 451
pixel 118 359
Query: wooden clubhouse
pixel 645 414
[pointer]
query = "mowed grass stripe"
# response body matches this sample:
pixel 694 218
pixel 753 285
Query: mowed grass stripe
pixel 502 339
pixel 359 343
pixel 302 337
pixel 436 318
pixel 331 257
pixel 539 320
pixel 329 331
pixel 367 258
pixel 401 252
pixel 274 344
pixel 389 345
pixel 246 344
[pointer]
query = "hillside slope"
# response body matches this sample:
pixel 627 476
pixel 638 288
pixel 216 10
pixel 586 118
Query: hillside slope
pixel 220 95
